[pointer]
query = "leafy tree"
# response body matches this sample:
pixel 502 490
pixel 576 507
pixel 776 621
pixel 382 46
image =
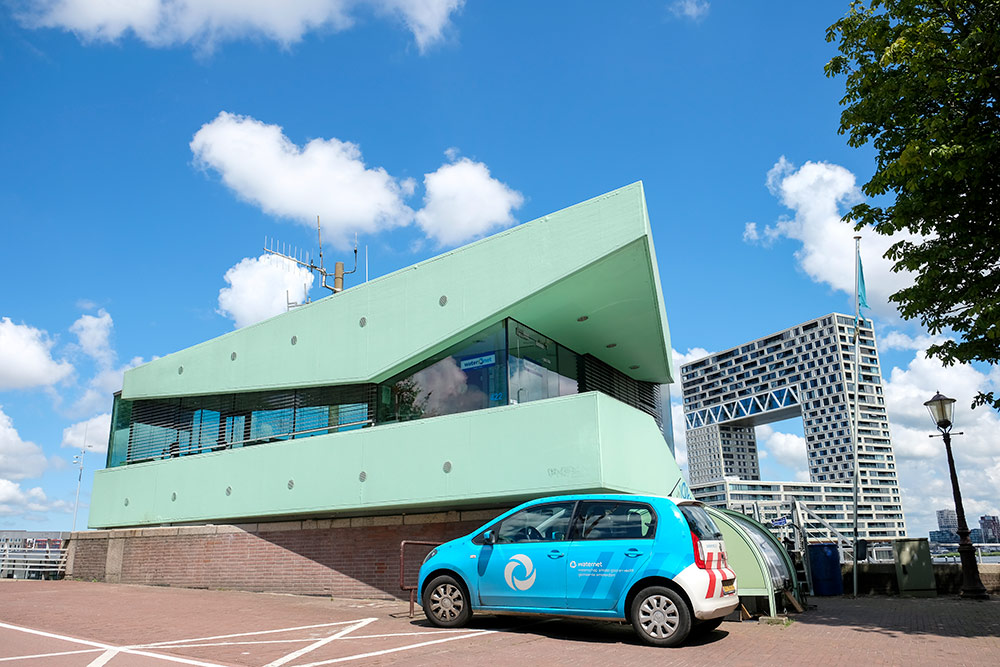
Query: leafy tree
pixel 922 85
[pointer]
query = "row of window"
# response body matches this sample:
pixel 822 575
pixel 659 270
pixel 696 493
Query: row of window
pixel 505 363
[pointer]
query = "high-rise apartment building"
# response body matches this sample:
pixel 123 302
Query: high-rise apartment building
pixel 990 525
pixel 807 370
pixel 947 520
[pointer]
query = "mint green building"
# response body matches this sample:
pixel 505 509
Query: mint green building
pixel 525 364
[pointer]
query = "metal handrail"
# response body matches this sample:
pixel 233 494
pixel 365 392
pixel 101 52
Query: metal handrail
pixel 27 561
pixel 412 588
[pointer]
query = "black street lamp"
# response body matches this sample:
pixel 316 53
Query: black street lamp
pixel 942 408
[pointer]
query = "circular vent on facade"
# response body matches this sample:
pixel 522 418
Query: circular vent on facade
pixel 362 476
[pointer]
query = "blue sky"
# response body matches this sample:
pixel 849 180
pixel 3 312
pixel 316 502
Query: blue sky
pixel 147 149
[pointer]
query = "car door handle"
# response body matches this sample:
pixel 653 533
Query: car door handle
pixel 556 554
pixel 633 553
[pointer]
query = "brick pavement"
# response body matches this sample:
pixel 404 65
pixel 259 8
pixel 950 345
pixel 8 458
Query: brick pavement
pixel 869 631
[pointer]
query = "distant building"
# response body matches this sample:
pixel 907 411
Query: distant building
pixel 26 553
pixel 990 525
pixel 806 370
pixel 943 537
pixel 947 520
pixel 976 535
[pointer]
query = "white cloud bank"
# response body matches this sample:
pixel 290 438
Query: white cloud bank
pixel 26 358
pixel 94 335
pixel 329 178
pixel 816 192
pixel 91 433
pixel 205 23
pixel 27 503
pixel 19 459
pixel 326 177
pixel 259 288
pixel 921 460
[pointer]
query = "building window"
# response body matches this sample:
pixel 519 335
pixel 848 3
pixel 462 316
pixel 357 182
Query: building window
pixel 470 375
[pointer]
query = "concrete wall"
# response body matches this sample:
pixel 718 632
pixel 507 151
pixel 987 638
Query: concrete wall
pixel 349 557
pixel 880 578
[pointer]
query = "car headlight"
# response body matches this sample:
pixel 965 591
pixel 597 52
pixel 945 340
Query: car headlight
pixel 433 552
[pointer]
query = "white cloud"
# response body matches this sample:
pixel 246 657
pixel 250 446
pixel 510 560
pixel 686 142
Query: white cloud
pixel 101 388
pixel 259 287
pixel 93 433
pixel 680 439
pixel 18 458
pixel 897 340
pixel 816 192
pixel 462 202
pixel 690 9
pixel 921 461
pixel 325 178
pixel 28 503
pixel 93 333
pixel 26 358
pixel 205 23
pixel 693 354
pixel 787 449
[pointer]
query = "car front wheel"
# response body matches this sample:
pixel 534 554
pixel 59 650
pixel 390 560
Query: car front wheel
pixel 446 603
pixel 660 616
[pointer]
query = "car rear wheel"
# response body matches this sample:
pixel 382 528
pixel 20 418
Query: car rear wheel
pixel 446 604
pixel 660 616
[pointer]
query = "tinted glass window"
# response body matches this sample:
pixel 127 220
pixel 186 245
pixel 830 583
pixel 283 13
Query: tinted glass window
pixel 470 375
pixel 701 524
pixel 537 524
pixel 614 520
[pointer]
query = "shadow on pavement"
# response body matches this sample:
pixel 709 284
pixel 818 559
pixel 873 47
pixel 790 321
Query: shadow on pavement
pixel 593 632
pixel 944 616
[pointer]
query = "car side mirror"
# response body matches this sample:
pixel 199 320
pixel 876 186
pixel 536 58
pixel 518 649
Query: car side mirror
pixel 490 537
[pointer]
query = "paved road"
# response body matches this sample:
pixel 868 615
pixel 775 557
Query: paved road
pixel 78 623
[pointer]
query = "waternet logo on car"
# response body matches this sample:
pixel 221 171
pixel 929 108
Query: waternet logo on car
pixel 529 572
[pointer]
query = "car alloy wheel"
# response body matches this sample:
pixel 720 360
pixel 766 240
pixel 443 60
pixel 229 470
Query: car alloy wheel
pixel 660 616
pixel 445 603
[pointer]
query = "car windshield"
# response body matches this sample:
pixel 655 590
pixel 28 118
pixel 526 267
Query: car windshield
pixel 701 524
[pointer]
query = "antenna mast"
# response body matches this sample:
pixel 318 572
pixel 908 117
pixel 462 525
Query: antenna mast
pixel 271 247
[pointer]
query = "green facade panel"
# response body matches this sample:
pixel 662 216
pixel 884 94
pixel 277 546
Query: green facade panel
pixel 594 259
pixel 584 442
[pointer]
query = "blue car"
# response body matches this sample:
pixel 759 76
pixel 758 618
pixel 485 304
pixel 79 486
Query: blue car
pixel 659 563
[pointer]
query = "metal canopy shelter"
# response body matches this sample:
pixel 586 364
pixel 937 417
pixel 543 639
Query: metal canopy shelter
pixel 763 567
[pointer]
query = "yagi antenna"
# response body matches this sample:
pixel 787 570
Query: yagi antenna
pixel 295 255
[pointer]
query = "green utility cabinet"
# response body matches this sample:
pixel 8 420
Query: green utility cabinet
pixel 914 568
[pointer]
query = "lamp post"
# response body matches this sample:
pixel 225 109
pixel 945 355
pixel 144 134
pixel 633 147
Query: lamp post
pixel 942 409
pixel 78 461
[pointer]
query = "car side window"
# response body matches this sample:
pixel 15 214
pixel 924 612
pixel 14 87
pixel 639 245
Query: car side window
pixel 541 523
pixel 614 520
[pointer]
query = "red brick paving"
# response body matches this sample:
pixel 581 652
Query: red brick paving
pixel 840 631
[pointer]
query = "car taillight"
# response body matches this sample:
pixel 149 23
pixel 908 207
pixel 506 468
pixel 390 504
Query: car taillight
pixel 699 554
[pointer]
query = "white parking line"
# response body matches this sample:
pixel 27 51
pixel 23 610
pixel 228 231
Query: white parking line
pixel 373 654
pixel 322 642
pixel 49 655
pixel 106 647
pixel 108 652
pixel 245 634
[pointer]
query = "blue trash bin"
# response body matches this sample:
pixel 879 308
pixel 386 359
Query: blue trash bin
pixel 824 559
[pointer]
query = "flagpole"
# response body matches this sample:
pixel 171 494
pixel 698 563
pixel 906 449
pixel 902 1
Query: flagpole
pixel 857 400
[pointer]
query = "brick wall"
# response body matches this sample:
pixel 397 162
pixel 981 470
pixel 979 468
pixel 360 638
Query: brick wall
pixel 355 558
